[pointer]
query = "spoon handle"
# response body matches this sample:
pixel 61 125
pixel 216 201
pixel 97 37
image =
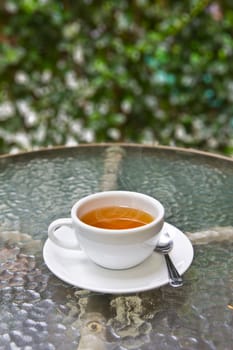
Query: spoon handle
pixel 175 279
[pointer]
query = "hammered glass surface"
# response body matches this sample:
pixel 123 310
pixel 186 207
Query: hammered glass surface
pixel 38 311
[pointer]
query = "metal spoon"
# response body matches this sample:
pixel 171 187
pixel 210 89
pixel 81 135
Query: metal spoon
pixel 164 246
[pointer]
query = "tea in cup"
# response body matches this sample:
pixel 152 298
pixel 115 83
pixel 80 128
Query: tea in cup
pixel 115 229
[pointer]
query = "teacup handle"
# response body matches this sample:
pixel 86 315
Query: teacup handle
pixel 54 228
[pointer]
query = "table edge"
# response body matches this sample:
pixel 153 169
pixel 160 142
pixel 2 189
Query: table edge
pixel 117 144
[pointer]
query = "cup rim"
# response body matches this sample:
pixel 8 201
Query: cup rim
pixel 105 231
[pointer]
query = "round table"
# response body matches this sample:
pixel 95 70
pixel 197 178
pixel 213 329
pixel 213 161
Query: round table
pixel 39 311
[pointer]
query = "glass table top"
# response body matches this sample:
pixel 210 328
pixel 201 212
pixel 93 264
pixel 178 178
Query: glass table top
pixel 39 311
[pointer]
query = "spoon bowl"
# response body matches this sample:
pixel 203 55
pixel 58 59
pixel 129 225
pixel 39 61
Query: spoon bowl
pixel 165 244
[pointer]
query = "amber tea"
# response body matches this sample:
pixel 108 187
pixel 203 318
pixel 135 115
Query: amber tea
pixel 117 218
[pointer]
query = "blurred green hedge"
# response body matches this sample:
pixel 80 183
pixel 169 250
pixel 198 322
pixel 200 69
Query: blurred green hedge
pixel 129 71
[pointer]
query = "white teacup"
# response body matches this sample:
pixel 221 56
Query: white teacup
pixel 120 248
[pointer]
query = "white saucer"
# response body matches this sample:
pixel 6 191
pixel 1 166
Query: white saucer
pixel 75 268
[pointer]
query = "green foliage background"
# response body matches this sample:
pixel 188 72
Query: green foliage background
pixel 129 71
